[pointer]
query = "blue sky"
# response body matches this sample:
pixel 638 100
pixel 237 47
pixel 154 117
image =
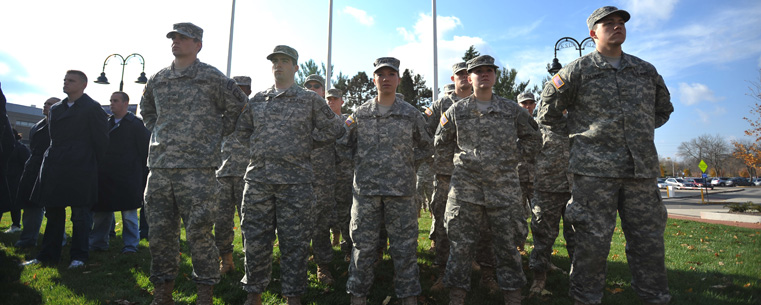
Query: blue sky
pixel 707 51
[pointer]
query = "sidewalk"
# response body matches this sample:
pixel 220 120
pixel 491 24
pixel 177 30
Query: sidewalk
pixel 687 205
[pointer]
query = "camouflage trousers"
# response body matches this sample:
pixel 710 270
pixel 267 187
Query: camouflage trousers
pixel 343 212
pixel 424 192
pixel 547 210
pixel 190 195
pixel 592 211
pixel 527 194
pixel 463 224
pixel 230 196
pixel 285 207
pixel 400 217
pixel 438 207
pixel 323 214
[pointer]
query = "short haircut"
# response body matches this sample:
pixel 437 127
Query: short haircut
pixel 124 95
pixel 54 98
pixel 78 73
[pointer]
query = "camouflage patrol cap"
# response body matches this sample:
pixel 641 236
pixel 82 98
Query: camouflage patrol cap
pixel 603 12
pixel 448 88
pixel 483 60
pixel 390 62
pixel 315 78
pixel 242 80
pixel 333 92
pixel 187 29
pixel 526 96
pixel 285 50
pixel 459 67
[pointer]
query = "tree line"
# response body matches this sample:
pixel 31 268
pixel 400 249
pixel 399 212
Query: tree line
pixel 360 88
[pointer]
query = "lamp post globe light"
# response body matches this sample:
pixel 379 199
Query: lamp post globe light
pixel 140 80
pixel 567 42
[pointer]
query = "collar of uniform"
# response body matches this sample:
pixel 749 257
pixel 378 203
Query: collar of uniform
pixel 190 71
pixel 497 104
pixel 395 107
pixel 291 91
pixel 602 63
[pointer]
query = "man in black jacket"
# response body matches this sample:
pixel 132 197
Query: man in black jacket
pixel 69 173
pixel 121 176
pixel 39 140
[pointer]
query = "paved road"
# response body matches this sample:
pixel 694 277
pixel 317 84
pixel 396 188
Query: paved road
pixel 688 202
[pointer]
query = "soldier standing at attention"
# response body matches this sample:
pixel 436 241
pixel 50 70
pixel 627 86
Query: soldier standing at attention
pixel 324 165
pixel 344 178
pixel 614 102
pixel 485 135
pixel 230 176
pixel 281 125
pixel 188 107
pixel 385 133
pixel 526 167
pixel 442 166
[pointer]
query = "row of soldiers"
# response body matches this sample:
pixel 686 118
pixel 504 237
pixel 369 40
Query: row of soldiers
pixel 597 120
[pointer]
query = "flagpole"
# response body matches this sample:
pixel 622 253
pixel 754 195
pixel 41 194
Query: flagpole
pixel 329 68
pixel 230 47
pixel 435 57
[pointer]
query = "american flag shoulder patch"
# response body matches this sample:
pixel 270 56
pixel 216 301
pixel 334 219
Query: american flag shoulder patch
pixel 557 81
pixel 349 120
pixel 428 111
pixel 443 120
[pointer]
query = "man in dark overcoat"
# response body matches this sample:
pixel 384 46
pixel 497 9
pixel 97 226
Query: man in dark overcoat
pixel 69 173
pixel 39 140
pixel 121 176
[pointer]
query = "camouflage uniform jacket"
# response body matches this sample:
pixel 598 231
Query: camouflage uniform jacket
pixel 281 130
pixel 552 174
pixel 385 148
pixel 486 147
pixel 526 168
pixel 234 158
pixel 324 160
pixel 612 115
pixel 344 161
pixel 440 166
pixel 188 114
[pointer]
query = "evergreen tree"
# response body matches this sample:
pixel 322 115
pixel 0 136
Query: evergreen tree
pixel 424 94
pixel 506 86
pixel 307 68
pixel 359 89
pixel 470 54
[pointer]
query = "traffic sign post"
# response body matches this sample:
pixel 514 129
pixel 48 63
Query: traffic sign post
pixel 703 166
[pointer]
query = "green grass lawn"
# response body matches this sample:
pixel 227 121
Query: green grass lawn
pixel 707 264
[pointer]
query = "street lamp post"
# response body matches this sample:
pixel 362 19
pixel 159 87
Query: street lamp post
pixel 567 42
pixel 140 80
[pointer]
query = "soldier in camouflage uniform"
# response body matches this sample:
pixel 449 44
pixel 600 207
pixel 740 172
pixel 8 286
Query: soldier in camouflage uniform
pixel 188 107
pixel 230 176
pixel 485 135
pixel 424 186
pixel 387 134
pixel 448 89
pixel 552 190
pixel 281 125
pixel 614 102
pixel 526 167
pixel 442 165
pixel 324 167
pixel 344 178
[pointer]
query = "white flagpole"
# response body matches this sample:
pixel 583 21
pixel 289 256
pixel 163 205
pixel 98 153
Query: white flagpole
pixel 230 47
pixel 329 69
pixel 435 57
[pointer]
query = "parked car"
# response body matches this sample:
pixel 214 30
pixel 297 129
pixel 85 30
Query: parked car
pixel 662 183
pixel 700 182
pixel 738 181
pixel 679 183
pixel 757 182
pixel 719 181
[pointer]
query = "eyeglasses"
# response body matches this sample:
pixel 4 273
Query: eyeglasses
pixel 310 86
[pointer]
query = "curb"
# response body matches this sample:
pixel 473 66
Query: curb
pixel 730 217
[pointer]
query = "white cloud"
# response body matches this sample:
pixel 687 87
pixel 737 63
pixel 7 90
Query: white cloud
pixel 731 35
pixel 360 15
pixel 417 53
pixel 706 117
pixel 648 13
pixel 691 94
pixel 4 69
